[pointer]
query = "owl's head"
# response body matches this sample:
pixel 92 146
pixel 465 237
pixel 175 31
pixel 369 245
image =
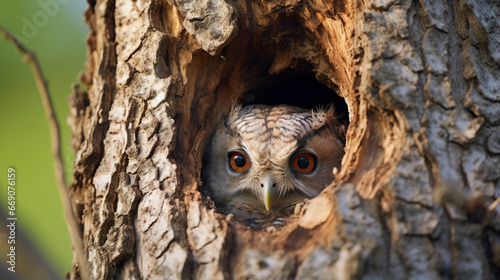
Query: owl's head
pixel 262 160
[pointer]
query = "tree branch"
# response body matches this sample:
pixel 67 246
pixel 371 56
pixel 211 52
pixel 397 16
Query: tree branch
pixel 76 238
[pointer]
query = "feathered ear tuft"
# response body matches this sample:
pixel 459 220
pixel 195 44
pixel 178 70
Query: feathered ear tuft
pixel 321 114
pixel 233 115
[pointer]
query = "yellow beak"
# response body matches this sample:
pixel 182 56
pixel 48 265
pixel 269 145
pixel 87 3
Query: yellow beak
pixel 269 192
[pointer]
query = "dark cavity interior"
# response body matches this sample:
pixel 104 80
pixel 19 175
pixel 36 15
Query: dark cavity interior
pixel 295 88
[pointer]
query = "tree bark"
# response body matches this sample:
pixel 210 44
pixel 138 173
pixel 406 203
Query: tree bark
pixel 420 81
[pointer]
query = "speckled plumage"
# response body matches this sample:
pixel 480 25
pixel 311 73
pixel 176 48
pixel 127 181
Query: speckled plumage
pixel 270 137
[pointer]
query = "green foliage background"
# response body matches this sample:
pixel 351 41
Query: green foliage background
pixel 57 35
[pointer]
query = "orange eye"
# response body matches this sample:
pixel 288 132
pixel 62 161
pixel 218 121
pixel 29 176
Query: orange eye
pixel 304 162
pixel 238 161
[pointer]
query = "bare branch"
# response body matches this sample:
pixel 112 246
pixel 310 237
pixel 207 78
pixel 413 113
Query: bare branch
pixel 76 238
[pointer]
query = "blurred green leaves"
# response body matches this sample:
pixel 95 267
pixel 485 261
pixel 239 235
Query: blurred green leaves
pixel 55 31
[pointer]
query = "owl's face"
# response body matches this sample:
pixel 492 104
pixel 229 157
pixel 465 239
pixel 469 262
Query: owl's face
pixel 263 160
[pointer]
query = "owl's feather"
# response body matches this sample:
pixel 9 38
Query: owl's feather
pixel 270 137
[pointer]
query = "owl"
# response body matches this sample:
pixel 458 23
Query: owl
pixel 262 160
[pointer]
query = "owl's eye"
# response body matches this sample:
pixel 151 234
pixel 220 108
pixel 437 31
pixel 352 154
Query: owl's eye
pixel 304 162
pixel 238 161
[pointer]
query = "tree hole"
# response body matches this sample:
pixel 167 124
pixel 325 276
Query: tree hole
pixel 225 184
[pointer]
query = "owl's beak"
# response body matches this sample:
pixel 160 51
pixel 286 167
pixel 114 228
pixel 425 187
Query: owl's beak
pixel 269 190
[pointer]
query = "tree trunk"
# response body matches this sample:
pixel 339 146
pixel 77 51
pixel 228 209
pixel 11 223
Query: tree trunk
pixel 418 81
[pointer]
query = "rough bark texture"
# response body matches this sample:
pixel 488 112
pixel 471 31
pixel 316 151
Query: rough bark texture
pixel 420 79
